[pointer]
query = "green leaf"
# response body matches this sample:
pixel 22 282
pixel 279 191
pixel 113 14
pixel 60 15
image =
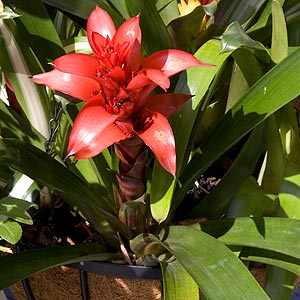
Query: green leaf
pixel 217 271
pixel 5 174
pixel 161 199
pixel 216 203
pixel 273 166
pixel 183 121
pixel 10 231
pixel 16 209
pixel 237 88
pixel 264 17
pixel 289 194
pixel 287 121
pixel 248 64
pixel 275 234
pixel 168 10
pixel 276 151
pixel 121 6
pixel 184 30
pixel 24 264
pixel 177 283
pixel 77 44
pixel 18 63
pixel 271 258
pixel 51 173
pixel 36 25
pixel 15 126
pixel 235 37
pixel 250 200
pixel 279 283
pixel 8 14
pixel 279 49
pixel 242 11
pixel 81 9
pixel 265 97
pixel 22 187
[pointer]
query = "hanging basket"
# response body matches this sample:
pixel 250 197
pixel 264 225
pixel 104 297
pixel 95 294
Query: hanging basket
pixel 92 281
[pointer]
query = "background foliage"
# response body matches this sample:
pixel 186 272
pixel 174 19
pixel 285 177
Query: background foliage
pixel 244 114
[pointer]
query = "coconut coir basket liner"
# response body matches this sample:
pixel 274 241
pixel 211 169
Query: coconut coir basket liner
pixel 64 283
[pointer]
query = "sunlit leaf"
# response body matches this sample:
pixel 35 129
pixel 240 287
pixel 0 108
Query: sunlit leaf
pixel 10 231
pixel 16 209
pixel 23 264
pixel 178 284
pixel 21 156
pixel 265 97
pixel 275 234
pixel 217 271
pixel 235 37
pixel 279 49
pixel 18 63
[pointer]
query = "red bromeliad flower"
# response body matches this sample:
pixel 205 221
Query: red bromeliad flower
pixel 116 85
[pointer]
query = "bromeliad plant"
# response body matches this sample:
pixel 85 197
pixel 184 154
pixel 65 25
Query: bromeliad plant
pixel 117 84
pixel 142 141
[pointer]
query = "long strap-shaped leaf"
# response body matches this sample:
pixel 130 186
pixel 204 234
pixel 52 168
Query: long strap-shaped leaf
pixel 177 283
pixel 47 171
pixel 217 271
pixel 18 63
pixel 276 234
pixel 275 89
pixel 162 190
pixel 24 264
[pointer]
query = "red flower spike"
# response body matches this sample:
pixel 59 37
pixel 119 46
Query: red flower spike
pixel 172 61
pixel 80 87
pixel 160 139
pixel 116 84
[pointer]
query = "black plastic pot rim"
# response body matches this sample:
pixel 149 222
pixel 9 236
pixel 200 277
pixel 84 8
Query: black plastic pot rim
pixel 120 271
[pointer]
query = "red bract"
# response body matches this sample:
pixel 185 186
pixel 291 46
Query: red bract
pixel 116 84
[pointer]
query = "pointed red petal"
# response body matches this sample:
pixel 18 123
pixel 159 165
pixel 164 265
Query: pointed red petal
pixel 135 57
pixel 138 81
pixel 128 32
pixel 158 77
pixel 97 43
pixel 99 21
pixel 93 131
pixel 77 86
pixel 166 104
pixel 160 139
pixel 149 76
pixel 139 99
pixel 78 63
pixel 118 74
pixel 172 61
